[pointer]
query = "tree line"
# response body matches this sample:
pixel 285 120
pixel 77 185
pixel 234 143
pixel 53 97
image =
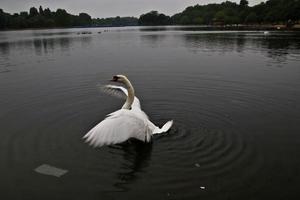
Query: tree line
pixel 271 11
pixel 42 18
pixel 45 18
pixel 115 21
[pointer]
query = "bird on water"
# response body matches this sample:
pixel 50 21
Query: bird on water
pixel 128 122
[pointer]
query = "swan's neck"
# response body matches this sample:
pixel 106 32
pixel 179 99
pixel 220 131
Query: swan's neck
pixel 130 96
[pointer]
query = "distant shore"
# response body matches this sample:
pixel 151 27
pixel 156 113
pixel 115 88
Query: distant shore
pixel 268 15
pixel 239 27
pixel 245 27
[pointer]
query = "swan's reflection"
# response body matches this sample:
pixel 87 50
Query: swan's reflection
pixel 136 158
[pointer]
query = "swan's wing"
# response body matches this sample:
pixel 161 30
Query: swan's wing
pixel 120 92
pixel 116 91
pixel 119 127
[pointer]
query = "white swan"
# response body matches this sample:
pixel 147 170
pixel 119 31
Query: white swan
pixel 128 122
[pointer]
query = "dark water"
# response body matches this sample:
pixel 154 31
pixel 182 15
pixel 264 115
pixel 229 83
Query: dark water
pixel 234 98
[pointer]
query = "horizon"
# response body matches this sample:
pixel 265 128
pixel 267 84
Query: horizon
pixel 123 8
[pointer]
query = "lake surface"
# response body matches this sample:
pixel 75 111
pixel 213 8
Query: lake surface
pixel 234 98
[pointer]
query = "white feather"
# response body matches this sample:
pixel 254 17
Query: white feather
pixel 119 127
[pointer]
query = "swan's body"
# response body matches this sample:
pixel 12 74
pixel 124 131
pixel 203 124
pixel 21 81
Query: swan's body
pixel 128 122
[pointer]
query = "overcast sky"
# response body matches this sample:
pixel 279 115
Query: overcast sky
pixel 109 8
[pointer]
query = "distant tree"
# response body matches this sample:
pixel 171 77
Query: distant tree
pixel 198 20
pixel 33 12
pixel 24 14
pixel 220 16
pixel 184 20
pixel 115 21
pixel 271 16
pixel 2 19
pixel 41 11
pixel 154 18
pixel 251 18
pixel 47 13
pixel 244 3
pixel 62 18
pixel 85 19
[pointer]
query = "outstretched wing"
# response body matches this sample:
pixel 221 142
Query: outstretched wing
pixel 120 92
pixel 119 127
pixel 116 91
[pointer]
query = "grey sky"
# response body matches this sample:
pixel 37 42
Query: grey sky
pixel 109 8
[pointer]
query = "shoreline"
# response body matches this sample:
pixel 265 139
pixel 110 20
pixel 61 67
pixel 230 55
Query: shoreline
pixel 239 27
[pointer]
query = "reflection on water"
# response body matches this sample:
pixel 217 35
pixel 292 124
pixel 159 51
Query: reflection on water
pixel 213 42
pixel 136 158
pixel 54 33
pixel 153 39
pixel 4 48
pixel 275 47
pixel 157 28
pixel 43 46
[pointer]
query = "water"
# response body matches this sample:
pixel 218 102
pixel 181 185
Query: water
pixel 234 98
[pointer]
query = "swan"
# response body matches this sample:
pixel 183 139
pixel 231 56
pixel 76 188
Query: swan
pixel 128 122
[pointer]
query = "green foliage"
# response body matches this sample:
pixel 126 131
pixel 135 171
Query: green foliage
pixel 45 18
pixel 226 12
pixel 220 15
pixel 2 19
pixel 198 20
pixel 251 18
pixel 273 11
pixel 116 21
pixel 184 20
pixel 244 3
pixel 84 19
pixel 154 18
pixel 33 12
pixel 62 18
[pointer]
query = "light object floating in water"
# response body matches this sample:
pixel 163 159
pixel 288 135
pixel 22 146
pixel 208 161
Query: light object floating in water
pixel 202 187
pixel 50 170
pixel 197 165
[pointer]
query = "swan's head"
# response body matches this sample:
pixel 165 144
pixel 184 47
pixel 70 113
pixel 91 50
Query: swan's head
pixel 119 78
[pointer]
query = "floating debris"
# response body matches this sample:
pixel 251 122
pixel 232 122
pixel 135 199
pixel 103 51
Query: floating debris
pixel 84 32
pixel 202 187
pixel 99 32
pixel 50 170
pixel 197 165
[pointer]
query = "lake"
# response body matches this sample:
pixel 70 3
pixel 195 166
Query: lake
pixel 234 98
